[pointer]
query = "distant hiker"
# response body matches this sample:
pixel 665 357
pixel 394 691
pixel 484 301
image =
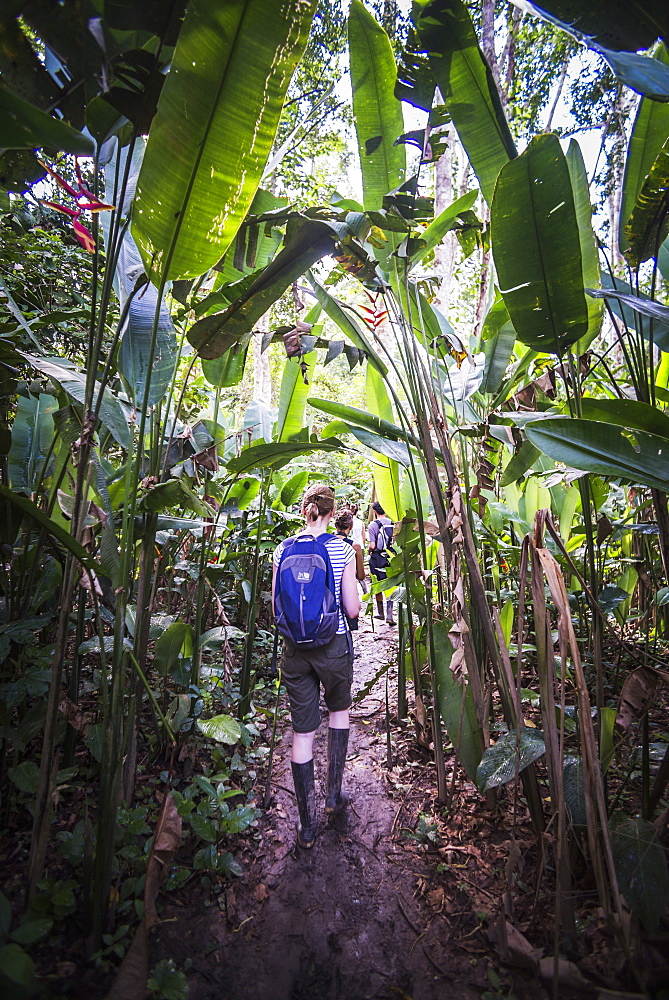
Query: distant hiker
pixel 380 536
pixel 313 584
pixel 358 526
pixel 344 525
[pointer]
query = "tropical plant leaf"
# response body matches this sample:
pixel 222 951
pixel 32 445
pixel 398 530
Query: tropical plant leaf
pixel 217 117
pixel 467 86
pixel 308 241
pixel 333 308
pixel 498 765
pixel 361 418
pixel 589 252
pixel 228 370
pixel 292 490
pixel 23 126
pixel 444 223
pixel 641 867
pixel 31 510
pixel 169 646
pixel 32 434
pixel 386 472
pixel 377 113
pixel 537 248
pixel 616 25
pixel 650 131
pixel 518 465
pixel 628 413
pixel 451 691
pixel 625 303
pixel 222 728
pixel 499 337
pixel 113 413
pixel 263 456
pixel 297 375
pixel 606 450
pixel 397 451
pixel 649 222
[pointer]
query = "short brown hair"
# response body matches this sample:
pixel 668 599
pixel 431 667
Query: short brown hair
pixel 318 501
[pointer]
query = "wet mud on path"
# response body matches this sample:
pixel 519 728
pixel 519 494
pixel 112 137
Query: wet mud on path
pixel 342 921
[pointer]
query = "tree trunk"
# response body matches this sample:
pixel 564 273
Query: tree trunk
pixel 262 381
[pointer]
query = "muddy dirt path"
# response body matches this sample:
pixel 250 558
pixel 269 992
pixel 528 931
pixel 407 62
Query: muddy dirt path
pixel 337 921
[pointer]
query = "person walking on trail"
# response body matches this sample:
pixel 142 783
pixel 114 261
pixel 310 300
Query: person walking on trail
pixel 313 584
pixel 344 527
pixel 380 537
pixel 358 525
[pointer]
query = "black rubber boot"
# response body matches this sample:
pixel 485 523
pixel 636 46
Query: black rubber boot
pixel 379 607
pixel 305 793
pixel 336 800
pixel 389 613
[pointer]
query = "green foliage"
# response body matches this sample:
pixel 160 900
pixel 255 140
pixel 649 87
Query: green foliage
pixel 511 753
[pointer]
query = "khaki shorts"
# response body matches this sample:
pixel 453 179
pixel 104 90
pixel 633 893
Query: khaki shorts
pixel 304 670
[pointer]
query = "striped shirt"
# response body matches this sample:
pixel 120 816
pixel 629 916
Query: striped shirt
pixel 341 553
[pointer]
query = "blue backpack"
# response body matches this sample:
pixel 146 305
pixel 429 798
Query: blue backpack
pixel 305 603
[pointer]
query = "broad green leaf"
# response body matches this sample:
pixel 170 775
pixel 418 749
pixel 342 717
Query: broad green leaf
pixel 213 637
pixel 517 466
pixel 173 493
pixel 386 474
pixel 31 510
pixel 222 728
pixel 648 224
pixel 650 132
pixel 307 242
pixel 641 867
pixel 169 646
pixel 292 491
pixel 17 965
pixel 589 252
pixel 213 132
pixel 635 456
pixel 466 737
pixel 263 456
pixel 298 374
pixel 627 413
pixel 377 113
pixel 243 492
pixel 499 337
pixel 630 307
pixel 467 86
pixel 32 931
pixel 444 223
pixel 625 27
pixel 32 435
pixel 663 260
pixel 228 370
pixel 23 126
pixel 537 248
pixel 428 323
pixel 334 309
pixel 25 776
pixel 498 765
pixel 395 450
pixel 353 415
pixel 113 413
pixel 607 744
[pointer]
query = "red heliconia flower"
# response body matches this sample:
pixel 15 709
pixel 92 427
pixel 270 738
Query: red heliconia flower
pixel 86 202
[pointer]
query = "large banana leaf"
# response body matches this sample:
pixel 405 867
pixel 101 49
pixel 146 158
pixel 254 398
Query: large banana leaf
pixel 334 309
pixel 297 375
pixel 274 456
pixel 213 132
pixel 444 223
pixel 650 132
pixel 630 413
pixel 146 373
pixel 307 242
pixel 537 248
pixel 466 737
pixel 378 114
pixel 589 253
pixel 29 509
pixel 23 126
pixel 352 415
pixel 649 222
pixel 227 370
pixel 32 434
pixel 113 413
pixel 498 336
pixel 386 473
pixel 640 20
pixel 604 449
pixel 624 301
pixel 467 85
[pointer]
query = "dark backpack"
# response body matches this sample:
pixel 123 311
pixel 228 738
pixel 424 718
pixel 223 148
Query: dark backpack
pixel 305 603
pixel 384 538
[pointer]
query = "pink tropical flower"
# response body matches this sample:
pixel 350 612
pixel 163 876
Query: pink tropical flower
pixel 86 202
